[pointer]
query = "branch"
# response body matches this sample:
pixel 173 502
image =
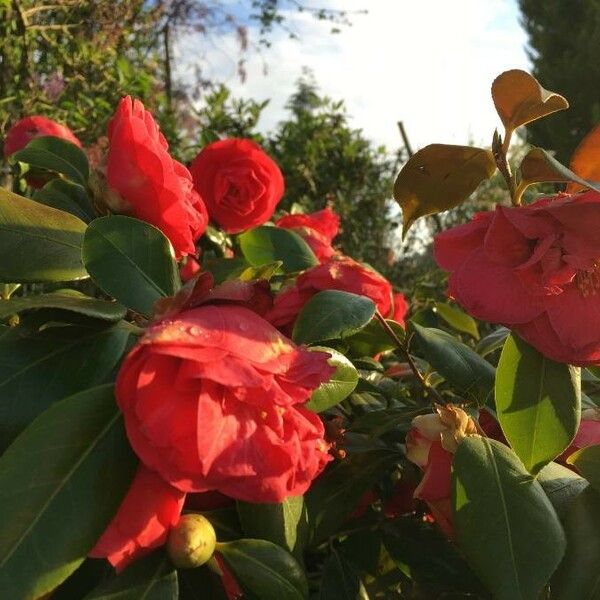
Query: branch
pixel 427 387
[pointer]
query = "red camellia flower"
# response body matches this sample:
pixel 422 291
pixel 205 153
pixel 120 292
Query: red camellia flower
pixel 239 182
pixel 342 274
pixel 150 184
pixel 149 510
pixel 212 400
pixel 318 230
pixel 400 308
pixel 535 269
pixel 25 130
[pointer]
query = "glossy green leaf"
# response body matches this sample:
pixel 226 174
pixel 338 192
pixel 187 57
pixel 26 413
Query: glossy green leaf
pixel 457 319
pixel 55 154
pixel 61 482
pixel 587 462
pixel 493 341
pixel 335 494
pixel 265 245
pixel 373 338
pixel 330 315
pixel 151 578
pixel 43 243
pixel 578 576
pixel 264 570
pixel 340 385
pixel 223 269
pixel 130 260
pixel 282 523
pixel 67 196
pixel 561 485
pixel 340 581
pixel 37 368
pixel 456 362
pixel 501 514
pixel 538 402
pixel 263 272
pixel 71 300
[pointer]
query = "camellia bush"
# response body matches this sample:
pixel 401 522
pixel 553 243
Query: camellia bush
pixel 202 398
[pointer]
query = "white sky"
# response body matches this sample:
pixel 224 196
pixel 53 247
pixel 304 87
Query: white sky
pixel 429 63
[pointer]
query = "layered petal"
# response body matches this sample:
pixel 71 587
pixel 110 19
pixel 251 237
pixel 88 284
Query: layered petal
pixel 148 511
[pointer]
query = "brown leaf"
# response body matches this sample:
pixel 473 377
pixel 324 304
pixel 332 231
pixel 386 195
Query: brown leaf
pixel 520 99
pixel 439 177
pixel 539 166
pixel 586 160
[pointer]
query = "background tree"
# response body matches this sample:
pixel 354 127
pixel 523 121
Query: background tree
pixel 564 38
pixel 324 161
pixel 71 60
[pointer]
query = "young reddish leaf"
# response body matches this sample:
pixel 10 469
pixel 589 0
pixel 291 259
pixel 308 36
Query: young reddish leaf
pixel 539 166
pixel 439 177
pixel 586 160
pixel 520 99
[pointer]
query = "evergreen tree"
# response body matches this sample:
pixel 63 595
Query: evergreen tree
pixel 564 38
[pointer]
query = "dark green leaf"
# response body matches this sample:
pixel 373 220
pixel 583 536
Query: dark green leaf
pixel 151 578
pixel 60 484
pixel 330 315
pixel 70 300
pixel 200 584
pixel 457 319
pixel 335 494
pixel 362 549
pixel 493 341
pixel 223 269
pixel 265 245
pixel 340 581
pixel 225 522
pixel 282 523
pixel 538 402
pixel 130 260
pixel 264 570
pixel 378 422
pixel 340 385
pixel 66 196
pixel 501 514
pixel 456 362
pixel 57 155
pixel 561 485
pixel 578 576
pixel 373 338
pixel 587 462
pixel 43 243
pixel 38 368
pixel 434 562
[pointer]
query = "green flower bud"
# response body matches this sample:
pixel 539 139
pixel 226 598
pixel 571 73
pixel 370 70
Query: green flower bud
pixel 191 542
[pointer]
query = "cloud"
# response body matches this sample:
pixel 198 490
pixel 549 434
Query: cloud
pixel 429 63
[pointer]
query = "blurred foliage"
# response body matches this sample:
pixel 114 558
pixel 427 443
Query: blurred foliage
pixel 564 38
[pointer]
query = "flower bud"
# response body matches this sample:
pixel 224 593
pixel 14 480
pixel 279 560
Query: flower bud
pixel 191 542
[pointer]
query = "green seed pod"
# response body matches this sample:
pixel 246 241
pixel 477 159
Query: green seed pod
pixel 191 542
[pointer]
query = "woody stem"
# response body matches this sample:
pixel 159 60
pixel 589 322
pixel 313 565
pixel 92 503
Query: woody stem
pixel 500 152
pixel 403 349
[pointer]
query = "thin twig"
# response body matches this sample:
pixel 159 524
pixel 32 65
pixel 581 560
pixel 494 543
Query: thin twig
pixel 427 387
